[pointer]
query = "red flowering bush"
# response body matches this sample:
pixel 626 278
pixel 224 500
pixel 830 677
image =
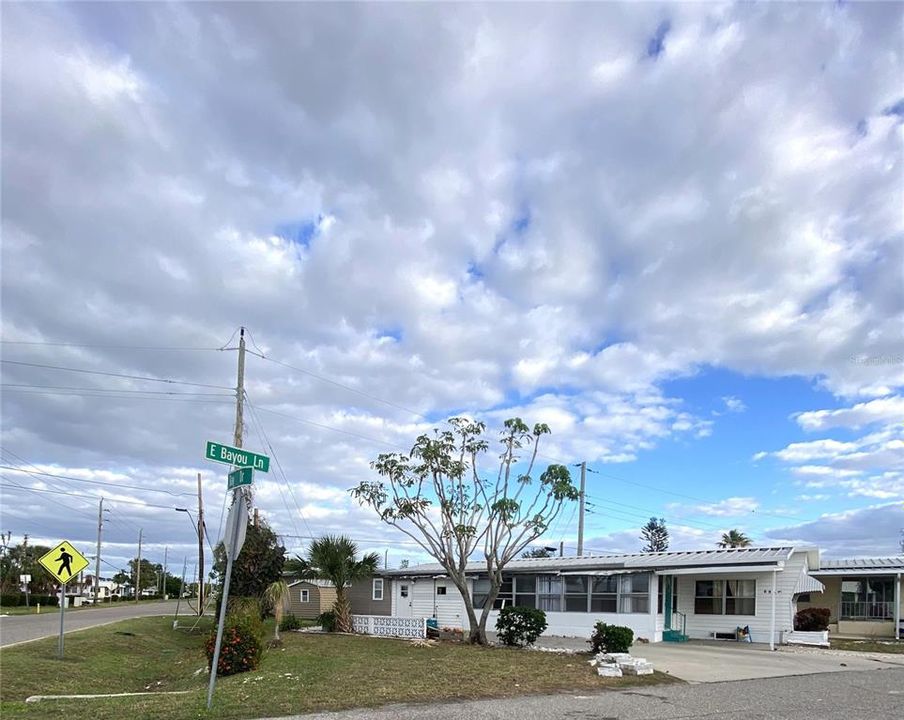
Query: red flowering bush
pixel 242 645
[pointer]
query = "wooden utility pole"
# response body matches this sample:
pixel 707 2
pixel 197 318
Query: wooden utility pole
pixel 100 525
pixel 581 510
pixel 200 549
pixel 138 567
pixel 240 393
pixel 26 567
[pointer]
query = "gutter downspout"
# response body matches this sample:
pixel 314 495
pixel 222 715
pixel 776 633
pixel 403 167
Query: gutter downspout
pixel 772 618
pixel 898 606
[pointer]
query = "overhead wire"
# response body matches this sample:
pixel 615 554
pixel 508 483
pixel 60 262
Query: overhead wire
pixel 145 378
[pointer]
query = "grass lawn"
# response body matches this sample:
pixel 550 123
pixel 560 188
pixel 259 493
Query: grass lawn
pixel 880 646
pixel 308 673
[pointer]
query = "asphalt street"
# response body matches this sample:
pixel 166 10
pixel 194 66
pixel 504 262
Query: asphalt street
pixel 23 628
pixel 831 696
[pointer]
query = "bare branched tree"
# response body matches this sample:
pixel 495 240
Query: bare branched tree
pixel 437 496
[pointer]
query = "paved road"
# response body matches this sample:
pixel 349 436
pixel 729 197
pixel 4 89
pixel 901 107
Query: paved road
pixel 835 696
pixel 23 628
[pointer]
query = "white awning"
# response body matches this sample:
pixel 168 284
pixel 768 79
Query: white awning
pixel 722 570
pixel 603 573
pixel 807 584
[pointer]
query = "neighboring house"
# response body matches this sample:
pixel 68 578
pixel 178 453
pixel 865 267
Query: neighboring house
pixel 661 596
pixel 864 595
pixel 309 598
pixel 105 588
pixel 372 596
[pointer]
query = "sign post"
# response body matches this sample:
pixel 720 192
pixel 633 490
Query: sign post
pixel 63 562
pixel 236 527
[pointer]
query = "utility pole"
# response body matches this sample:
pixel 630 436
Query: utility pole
pixel 240 393
pixel 386 558
pixel 581 510
pixel 561 548
pixel 200 549
pixel 163 584
pixel 138 568
pixel 100 525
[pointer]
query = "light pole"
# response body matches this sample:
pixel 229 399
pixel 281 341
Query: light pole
pixel 200 558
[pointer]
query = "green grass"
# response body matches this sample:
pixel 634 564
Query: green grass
pixel 880 646
pixel 308 673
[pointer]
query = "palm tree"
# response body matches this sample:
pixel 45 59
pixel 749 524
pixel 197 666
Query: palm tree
pixel 335 558
pixel 734 539
pixel 276 595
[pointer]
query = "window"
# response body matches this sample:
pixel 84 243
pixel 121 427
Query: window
pixel 604 594
pixel 305 596
pixel 549 593
pixel 403 591
pixel 440 589
pixel 634 593
pixel 804 597
pixel 868 599
pixel 725 597
pixel 482 589
pixel 526 591
pixel 377 589
pixel 740 597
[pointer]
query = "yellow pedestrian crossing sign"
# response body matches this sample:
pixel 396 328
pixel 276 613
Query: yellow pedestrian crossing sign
pixel 64 562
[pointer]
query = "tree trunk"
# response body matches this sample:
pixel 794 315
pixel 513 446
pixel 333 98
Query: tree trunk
pixel 343 612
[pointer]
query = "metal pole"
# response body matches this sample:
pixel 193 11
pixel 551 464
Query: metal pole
pixel 200 549
pixel 138 567
pixel 100 525
pixel 223 602
pixel 181 593
pixel 772 619
pixel 581 510
pixel 27 570
pixel 62 613
pixel 163 584
pixel 898 606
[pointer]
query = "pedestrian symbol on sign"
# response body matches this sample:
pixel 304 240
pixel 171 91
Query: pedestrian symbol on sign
pixel 64 559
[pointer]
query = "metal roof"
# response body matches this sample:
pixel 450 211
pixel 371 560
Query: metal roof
pixel 646 561
pixel 854 566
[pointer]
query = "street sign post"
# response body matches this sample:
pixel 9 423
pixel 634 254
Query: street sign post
pixel 236 456
pixel 63 562
pixel 236 527
pixel 241 476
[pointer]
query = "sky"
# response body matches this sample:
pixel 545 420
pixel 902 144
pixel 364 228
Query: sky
pixel 671 232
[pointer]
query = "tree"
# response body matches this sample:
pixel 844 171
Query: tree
pixel 537 552
pixel 259 564
pixel 734 539
pixel 276 595
pixel 656 536
pixel 335 558
pixel 438 497
pixel 149 574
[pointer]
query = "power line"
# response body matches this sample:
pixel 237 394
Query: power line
pixel 94 482
pixel 60 492
pixel 259 425
pixel 110 396
pixel 119 375
pixel 43 343
pixel 114 390
pixel 349 388
pixel 329 427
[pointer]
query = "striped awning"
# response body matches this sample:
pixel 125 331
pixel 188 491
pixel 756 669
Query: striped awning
pixel 807 584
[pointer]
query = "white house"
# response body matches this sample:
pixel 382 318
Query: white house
pixel 661 596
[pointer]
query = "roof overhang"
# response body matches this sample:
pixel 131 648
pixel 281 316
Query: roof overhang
pixel 723 569
pixel 855 572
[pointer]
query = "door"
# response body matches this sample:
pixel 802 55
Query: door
pixel 403 598
pixel 667 601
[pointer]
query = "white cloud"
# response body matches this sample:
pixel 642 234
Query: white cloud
pixel 734 404
pixel 880 410
pixel 729 507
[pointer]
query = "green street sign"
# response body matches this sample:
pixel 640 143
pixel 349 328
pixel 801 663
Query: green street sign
pixel 236 456
pixel 242 476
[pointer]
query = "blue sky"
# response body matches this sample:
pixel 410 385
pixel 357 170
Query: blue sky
pixel 671 232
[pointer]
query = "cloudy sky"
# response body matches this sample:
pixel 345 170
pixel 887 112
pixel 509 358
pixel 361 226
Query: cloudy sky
pixel 671 232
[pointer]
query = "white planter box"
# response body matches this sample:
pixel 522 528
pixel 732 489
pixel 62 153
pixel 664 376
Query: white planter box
pixel 799 637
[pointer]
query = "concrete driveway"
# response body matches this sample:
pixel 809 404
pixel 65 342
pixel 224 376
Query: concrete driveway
pixel 705 662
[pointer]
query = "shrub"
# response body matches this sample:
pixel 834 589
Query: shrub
pixel 11 600
pixel 520 626
pixel 611 638
pixel 327 620
pixel 812 619
pixel 289 622
pixel 242 645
